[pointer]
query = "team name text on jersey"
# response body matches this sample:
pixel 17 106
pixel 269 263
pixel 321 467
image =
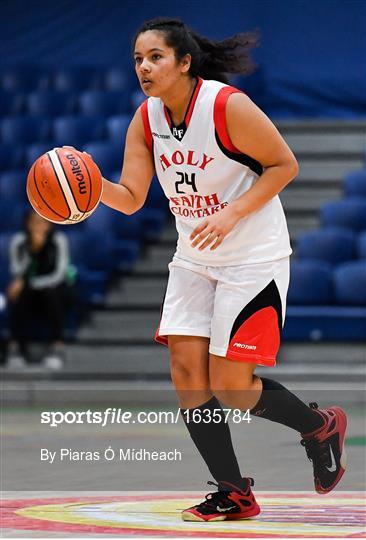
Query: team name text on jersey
pixel 185 158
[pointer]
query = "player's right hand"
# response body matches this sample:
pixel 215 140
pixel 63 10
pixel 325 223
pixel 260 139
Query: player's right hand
pixel 73 148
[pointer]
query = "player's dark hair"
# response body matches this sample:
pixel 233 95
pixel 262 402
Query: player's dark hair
pixel 210 59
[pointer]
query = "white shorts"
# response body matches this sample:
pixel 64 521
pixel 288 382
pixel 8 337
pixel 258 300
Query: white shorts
pixel 240 308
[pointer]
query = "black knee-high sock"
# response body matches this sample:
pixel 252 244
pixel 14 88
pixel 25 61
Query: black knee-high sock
pixel 280 405
pixel 213 441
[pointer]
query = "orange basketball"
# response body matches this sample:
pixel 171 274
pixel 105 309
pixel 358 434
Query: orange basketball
pixel 64 186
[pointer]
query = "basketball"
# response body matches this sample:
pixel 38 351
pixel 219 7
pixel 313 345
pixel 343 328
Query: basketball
pixel 64 186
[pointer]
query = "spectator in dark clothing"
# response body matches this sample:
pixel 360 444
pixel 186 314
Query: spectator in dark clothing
pixel 39 259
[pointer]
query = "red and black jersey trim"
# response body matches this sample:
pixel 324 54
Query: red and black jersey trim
pixel 146 123
pixel 188 114
pixel 244 159
pixel 222 136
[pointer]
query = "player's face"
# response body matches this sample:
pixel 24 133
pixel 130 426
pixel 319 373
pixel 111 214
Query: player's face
pixel 156 65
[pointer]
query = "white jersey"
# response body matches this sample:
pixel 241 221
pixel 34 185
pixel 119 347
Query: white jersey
pixel 203 172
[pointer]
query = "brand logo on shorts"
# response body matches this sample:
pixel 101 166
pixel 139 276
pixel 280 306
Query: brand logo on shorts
pixel 245 346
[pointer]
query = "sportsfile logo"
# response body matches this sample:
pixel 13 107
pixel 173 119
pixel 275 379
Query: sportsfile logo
pixel 245 346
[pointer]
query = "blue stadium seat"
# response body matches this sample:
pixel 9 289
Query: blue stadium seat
pixel 92 286
pixel 98 258
pixel 94 265
pixel 12 216
pixel 77 244
pixel 325 323
pixel 13 186
pixel 156 198
pixel 137 98
pixel 11 156
pixel 361 245
pixel 125 254
pixel 310 284
pixel 117 128
pixel 349 213
pixel 152 222
pixel 108 156
pixel 115 176
pixel 108 254
pixel 10 103
pixel 117 225
pixel 154 212
pixel 50 103
pixel 75 131
pixel 99 103
pixel 76 79
pixel 355 184
pixel 117 79
pixel 4 278
pixel 350 284
pixel 331 245
pixel 34 151
pixel 23 79
pixel 5 238
pixel 24 130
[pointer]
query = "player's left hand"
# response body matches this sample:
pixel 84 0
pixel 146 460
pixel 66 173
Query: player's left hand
pixel 213 229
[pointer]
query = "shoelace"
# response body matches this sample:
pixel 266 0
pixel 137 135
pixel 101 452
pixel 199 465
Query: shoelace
pixel 316 451
pixel 215 498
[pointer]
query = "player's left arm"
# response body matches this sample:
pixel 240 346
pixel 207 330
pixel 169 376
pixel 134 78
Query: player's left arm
pixel 251 132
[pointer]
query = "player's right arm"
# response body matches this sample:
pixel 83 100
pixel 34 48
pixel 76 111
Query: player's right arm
pixel 138 169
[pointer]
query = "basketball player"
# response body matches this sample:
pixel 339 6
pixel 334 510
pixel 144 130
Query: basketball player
pixel 221 163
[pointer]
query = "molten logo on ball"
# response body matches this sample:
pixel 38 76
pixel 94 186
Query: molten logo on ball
pixel 75 167
pixel 64 186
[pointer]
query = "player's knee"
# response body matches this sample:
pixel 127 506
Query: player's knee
pixel 234 393
pixel 225 379
pixel 184 375
pixel 179 368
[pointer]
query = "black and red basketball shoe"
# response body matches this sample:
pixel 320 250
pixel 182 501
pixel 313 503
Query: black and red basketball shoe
pixel 229 502
pixel 325 448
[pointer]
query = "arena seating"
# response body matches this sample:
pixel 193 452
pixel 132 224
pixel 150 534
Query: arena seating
pixel 333 245
pixel 77 130
pixel 118 79
pixel 355 183
pixel 11 156
pixel 34 151
pixel 108 155
pixel 106 103
pixel 311 284
pixel 349 213
pixel 11 217
pixel 10 103
pixel 75 79
pixel 361 245
pixel 50 103
pixel 337 291
pixel 12 186
pixel 350 283
pixel 24 78
pixel 24 130
pixel 117 127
